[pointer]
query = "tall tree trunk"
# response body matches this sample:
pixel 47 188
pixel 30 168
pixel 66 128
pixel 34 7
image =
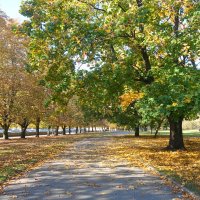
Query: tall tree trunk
pixel 156 133
pixel 37 125
pixel 69 130
pixel 6 122
pixel 24 126
pixel 92 129
pixel 49 131
pixel 176 134
pixel 80 129
pixel 77 130
pixel 5 131
pixel 151 127
pixel 158 127
pixel 23 132
pixel 85 130
pixel 64 130
pixel 137 131
pixel 57 131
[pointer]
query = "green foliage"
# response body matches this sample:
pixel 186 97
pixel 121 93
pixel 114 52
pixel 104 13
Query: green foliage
pixel 144 46
pixel 175 90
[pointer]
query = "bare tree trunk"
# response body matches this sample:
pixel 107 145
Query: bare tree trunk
pixel 158 127
pixel 57 131
pixel 156 133
pixel 23 132
pixel 77 130
pixel 151 129
pixel 176 134
pixel 24 126
pixel 49 131
pixel 80 129
pixel 5 131
pixel 6 122
pixel 69 130
pixel 37 125
pixel 137 131
pixel 64 130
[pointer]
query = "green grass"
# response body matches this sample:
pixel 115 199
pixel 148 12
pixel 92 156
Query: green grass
pixel 192 187
pixel 187 133
pixel 190 133
pixel 189 185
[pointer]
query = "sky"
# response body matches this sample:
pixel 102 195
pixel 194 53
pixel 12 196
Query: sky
pixel 11 8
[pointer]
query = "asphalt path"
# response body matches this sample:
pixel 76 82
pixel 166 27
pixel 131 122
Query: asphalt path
pixel 82 174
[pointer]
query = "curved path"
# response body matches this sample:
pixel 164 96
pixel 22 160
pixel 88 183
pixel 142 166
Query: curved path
pixel 79 174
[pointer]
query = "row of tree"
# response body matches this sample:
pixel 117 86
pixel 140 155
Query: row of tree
pixel 142 57
pixel 23 97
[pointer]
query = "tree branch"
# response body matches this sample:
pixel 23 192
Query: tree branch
pixel 139 3
pixel 146 58
pixel 114 56
pixel 121 7
pixel 93 6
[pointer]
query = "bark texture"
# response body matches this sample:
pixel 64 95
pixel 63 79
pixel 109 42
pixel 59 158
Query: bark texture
pixel 176 134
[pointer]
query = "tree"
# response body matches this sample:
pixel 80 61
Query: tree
pixel 50 59
pixel 73 114
pixel 12 58
pixel 40 95
pixel 175 97
pixel 22 104
pixel 29 103
pixel 153 40
pixel 68 113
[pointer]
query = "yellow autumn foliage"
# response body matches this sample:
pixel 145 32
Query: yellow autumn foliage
pixel 174 104
pixel 129 97
pixel 147 152
pixel 21 152
pixel 187 100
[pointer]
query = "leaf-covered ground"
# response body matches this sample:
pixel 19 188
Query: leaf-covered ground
pixel 20 155
pixel 183 166
pixel 84 171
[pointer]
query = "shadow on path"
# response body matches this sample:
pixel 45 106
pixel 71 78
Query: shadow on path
pixel 81 174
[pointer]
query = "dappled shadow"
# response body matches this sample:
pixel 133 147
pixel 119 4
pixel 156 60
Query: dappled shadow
pixel 81 174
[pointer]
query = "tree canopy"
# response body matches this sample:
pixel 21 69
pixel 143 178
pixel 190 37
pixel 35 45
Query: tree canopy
pixel 142 49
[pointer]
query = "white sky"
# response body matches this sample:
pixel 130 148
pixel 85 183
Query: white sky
pixel 11 8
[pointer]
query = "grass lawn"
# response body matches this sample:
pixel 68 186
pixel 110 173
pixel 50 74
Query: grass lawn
pixel 182 166
pixel 20 155
pixel 186 133
pixel 189 133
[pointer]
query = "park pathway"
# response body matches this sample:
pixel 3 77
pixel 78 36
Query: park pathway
pixel 79 174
